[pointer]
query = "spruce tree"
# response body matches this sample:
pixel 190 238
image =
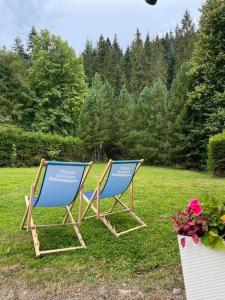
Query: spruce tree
pixel 30 40
pixel 184 40
pixel 148 54
pixel 150 114
pixel 18 47
pixel 138 76
pixel 169 46
pixel 88 58
pixel 124 124
pixel 206 98
pixel 95 122
pixel 125 67
pixel 115 76
pixel 103 56
pixel 158 69
pixel 176 116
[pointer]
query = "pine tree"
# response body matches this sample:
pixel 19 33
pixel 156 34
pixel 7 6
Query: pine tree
pixel 150 114
pixel 158 70
pixel 18 47
pixel 88 58
pixel 125 67
pixel 103 56
pixel 30 40
pixel 206 98
pixel 138 76
pixel 95 124
pixel 176 116
pixel 57 81
pixel 184 40
pixel 115 76
pixel 169 46
pixel 124 124
pixel 148 54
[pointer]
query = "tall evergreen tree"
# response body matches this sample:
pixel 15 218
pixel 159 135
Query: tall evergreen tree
pixel 184 40
pixel 206 98
pixel 89 61
pixel 30 40
pixel 158 70
pixel 125 67
pixel 147 65
pixel 169 46
pixel 95 125
pixel 103 56
pixel 124 124
pixel 57 80
pixel 150 114
pixel 176 116
pixel 138 76
pixel 18 47
pixel 115 76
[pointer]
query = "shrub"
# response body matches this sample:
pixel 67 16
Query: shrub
pixel 216 155
pixel 22 148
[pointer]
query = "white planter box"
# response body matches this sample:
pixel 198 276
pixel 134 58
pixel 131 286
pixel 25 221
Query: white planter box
pixel 203 271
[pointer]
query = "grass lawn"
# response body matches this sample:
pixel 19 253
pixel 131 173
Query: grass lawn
pixel 150 254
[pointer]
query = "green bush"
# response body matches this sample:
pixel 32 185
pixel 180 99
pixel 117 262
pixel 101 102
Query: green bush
pixel 216 155
pixel 22 148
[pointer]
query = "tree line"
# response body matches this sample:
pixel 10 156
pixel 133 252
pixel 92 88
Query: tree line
pixel 160 99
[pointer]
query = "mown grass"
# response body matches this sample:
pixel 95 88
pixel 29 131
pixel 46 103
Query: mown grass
pixel 159 192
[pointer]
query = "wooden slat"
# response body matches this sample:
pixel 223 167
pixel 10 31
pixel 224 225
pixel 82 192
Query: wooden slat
pixel 107 223
pixel 34 232
pixel 52 225
pixel 43 252
pixel 132 229
pixel 75 227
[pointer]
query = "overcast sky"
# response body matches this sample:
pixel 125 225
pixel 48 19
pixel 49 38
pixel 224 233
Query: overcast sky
pixel 79 20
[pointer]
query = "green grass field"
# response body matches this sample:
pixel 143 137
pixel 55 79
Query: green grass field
pixel 150 253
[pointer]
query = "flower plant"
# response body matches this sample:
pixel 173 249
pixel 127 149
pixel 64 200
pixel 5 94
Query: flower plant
pixel 202 221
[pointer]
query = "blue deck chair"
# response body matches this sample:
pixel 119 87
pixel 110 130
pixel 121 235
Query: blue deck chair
pixel 119 177
pixel 61 184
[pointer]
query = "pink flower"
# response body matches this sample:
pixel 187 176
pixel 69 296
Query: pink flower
pixel 195 207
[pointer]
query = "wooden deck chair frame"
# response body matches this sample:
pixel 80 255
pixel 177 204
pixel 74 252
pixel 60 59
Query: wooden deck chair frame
pixel 97 209
pixel 29 225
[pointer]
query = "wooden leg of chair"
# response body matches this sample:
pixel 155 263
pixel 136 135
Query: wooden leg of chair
pixel 24 219
pixel 35 240
pixel 33 231
pixel 131 212
pixel 108 225
pixel 87 208
pixel 75 227
pixel 80 207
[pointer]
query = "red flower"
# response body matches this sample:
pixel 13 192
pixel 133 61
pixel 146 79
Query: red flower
pixel 195 207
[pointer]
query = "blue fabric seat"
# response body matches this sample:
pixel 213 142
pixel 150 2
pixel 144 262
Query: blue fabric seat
pixel 89 194
pixel 120 176
pixel 116 179
pixel 60 185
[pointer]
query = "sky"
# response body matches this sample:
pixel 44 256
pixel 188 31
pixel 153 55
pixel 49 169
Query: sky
pixel 79 20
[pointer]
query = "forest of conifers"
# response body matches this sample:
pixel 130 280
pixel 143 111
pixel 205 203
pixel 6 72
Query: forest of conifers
pixel 160 99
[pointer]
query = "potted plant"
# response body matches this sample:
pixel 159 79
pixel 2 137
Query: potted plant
pixel 201 234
